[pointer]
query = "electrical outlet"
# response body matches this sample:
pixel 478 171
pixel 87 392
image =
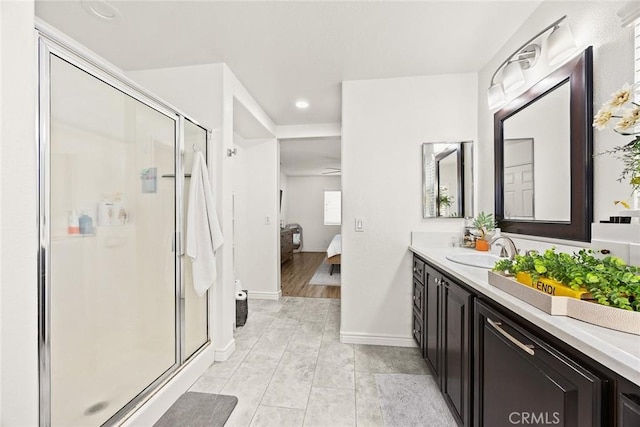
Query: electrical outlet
pixel 267 220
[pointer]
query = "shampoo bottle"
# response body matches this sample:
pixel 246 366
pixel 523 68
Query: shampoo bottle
pixel 86 223
pixel 73 223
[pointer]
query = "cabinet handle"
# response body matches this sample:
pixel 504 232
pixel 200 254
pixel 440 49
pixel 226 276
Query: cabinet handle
pixel 526 347
pixel 415 269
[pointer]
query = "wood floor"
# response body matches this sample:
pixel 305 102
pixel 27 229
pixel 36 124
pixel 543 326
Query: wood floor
pixel 297 272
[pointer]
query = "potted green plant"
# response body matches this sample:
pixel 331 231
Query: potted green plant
pixel 444 201
pixel 609 281
pixel 483 223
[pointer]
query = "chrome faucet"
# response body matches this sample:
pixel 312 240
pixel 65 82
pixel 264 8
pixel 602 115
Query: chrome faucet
pixel 503 251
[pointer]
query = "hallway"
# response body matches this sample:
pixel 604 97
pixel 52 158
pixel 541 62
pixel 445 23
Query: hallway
pixel 290 369
pixel 296 273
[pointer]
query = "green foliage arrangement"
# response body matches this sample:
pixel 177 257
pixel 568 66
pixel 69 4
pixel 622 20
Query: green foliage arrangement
pixel 609 280
pixel 484 223
pixel 445 200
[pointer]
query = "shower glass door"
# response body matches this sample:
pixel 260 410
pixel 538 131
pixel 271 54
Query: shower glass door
pixel 111 261
pixel 195 307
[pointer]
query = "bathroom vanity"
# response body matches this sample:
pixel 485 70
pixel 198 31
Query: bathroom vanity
pixel 499 361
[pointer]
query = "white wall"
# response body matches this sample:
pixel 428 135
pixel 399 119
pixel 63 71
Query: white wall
pixel 18 226
pixel 305 206
pixel 384 123
pixel 256 199
pixel 592 23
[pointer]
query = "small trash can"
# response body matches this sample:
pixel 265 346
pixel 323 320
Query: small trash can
pixel 242 309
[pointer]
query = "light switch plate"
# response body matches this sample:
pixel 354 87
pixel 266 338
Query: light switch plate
pixel 359 224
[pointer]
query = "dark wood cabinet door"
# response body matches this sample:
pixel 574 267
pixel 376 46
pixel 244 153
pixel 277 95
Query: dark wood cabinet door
pixel 519 379
pixel 456 333
pixel 628 410
pixel 432 321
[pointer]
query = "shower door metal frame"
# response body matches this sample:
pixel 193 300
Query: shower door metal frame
pixel 49 44
pixel 184 357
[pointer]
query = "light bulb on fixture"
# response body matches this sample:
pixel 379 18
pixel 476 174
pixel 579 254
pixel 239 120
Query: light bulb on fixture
pixel 560 44
pixel 496 97
pixel 302 104
pixel 512 77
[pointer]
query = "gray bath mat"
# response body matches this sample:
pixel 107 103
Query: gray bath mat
pixel 412 400
pixel 198 410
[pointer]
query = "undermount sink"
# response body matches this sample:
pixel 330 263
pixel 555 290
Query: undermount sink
pixel 475 260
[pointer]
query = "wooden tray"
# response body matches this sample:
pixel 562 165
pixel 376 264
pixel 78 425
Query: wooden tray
pixel 586 311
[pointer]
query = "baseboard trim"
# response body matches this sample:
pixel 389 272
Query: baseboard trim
pixel 224 353
pixel 265 295
pixel 370 339
pixel 315 250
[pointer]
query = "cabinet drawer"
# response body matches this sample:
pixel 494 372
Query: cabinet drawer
pixel 418 332
pixel 418 269
pixel 418 298
pixel 519 376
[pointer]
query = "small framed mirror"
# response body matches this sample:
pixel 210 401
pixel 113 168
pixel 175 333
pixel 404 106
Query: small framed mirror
pixel 544 156
pixel 447 179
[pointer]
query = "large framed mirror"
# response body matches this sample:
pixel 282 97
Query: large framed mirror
pixel 447 179
pixel 544 156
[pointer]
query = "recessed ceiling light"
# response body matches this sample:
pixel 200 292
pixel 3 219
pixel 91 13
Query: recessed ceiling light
pixel 101 9
pixel 302 104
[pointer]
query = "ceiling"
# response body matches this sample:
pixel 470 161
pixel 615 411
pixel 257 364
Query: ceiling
pixel 310 156
pixel 283 51
pixel 286 51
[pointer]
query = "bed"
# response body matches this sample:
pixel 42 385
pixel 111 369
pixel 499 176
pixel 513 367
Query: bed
pixel 334 251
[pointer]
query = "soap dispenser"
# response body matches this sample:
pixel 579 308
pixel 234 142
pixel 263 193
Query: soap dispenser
pixel 73 223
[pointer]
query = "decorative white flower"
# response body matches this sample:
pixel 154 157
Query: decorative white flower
pixel 621 97
pixel 626 123
pixel 602 118
pixel 633 114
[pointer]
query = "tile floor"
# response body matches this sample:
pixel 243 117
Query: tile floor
pixel 290 369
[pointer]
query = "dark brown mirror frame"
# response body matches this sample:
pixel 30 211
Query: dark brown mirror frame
pixel 579 73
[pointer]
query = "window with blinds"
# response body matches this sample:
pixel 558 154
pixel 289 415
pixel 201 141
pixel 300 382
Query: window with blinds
pixel 332 207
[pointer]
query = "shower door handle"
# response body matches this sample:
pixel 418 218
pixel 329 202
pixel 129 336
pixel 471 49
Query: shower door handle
pixel 177 242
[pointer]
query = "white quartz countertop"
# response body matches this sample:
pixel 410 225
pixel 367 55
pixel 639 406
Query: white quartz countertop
pixel 618 351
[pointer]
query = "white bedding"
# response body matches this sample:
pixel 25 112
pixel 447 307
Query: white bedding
pixel 335 247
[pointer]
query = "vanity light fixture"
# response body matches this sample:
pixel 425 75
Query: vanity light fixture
pixel 302 104
pixel 559 46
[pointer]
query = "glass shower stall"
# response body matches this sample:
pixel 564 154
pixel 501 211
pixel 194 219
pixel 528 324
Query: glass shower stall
pixel 118 312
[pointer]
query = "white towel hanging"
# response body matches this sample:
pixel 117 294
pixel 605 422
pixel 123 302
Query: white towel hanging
pixel 204 236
